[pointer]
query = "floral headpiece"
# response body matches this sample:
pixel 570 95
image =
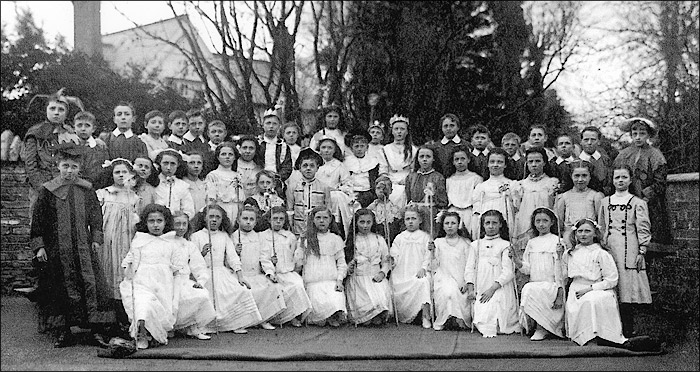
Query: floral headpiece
pixel 108 163
pixel 592 222
pixel 396 118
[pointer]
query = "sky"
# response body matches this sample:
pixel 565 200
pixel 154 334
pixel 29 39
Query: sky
pixel 578 88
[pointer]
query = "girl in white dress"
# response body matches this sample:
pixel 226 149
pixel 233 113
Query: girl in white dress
pixel 336 175
pixel 333 125
pixel 579 202
pixel 460 184
pixel 195 178
pixel 147 288
pixel 282 264
pixel 172 191
pixel 397 157
pixel 496 192
pixel 591 306
pixel 367 288
pixel 230 292
pixel 542 297
pixel 535 191
pixel 324 269
pixel 224 186
pixel 267 293
pixel 410 259
pixel 490 278
pixel 452 308
pixel 192 304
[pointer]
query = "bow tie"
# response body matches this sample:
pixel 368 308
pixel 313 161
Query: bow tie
pixel 170 180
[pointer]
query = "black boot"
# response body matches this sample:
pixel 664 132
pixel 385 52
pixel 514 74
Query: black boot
pixel 627 319
pixel 64 338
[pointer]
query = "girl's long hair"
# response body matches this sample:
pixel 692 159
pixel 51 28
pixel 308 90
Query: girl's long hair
pixel 503 232
pixel 598 238
pixel 437 165
pixel 449 168
pixel 547 168
pixel 189 224
pixel 312 233
pixel 152 179
pixel 181 170
pixel 199 221
pixel 553 217
pixel 350 240
pixel 258 156
pixel 462 232
pixel 142 225
pixel 106 178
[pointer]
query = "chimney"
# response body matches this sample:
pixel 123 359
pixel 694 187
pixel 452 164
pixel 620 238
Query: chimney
pixel 87 36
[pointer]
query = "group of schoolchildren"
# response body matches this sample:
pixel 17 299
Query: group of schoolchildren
pixel 195 235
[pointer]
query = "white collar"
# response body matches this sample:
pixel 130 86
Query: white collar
pixel 212 146
pixel 273 141
pixel 90 142
pixel 175 139
pixel 476 152
pixel 568 160
pixel 454 139
pixel 188 136
pixel 425 173
pixel 128 134
pixel 516 157
pixel 584 155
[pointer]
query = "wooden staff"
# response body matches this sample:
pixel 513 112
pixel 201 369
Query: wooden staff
pixel 510 241
pixel 429 193
pixel 386 236
pixel 133 297
pixel 211 255
pixel 476 263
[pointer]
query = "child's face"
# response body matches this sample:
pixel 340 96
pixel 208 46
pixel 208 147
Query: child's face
pixel 277 220
pixel 56 112
pixel 168 165
pixel 376 134
pixel 450 225
pixel 543 223
pixel 621 179
pixel 581 178
pixel 178 126
pixel 120 173
pixel 492 225
pixel 399 130
pixel 364 224
pixel 382 190
pixel 180 224
pixel 247 220
pixel 291 135
pixel 449 128
pixel 412 220
pixel 639 136
pixel 247 150
pixel 589 141
pixel 326 149
pixel 322 220
pixel 226 157
pixel 195 165
pixel 537 137
pixel 425 159
pixel 143 167
pixel 68 169
pixel 265 183
pixel 84 129
pixel 217 133
pixel 155 125
pixel 359 148
pixel 496 165
pixel 271 126
pixel 480 140
pixel 565 146
pixel 155 223
pixel 214 219
pixel 308 168
pixel 535 163
pixel 511 146
pixel 123 117
pixel 585 234
pixel 332 120
pixel 460 160
pixel 196 125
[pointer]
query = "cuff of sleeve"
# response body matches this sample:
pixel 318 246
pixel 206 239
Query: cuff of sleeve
pixel 37 243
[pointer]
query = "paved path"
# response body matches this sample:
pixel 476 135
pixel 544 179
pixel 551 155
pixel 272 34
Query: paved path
pixel 25 349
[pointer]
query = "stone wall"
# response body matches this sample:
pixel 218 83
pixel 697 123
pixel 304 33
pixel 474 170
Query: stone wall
pixel 15 254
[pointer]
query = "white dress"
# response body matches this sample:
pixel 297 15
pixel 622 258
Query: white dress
pixel 451 262
pixel 486 197
pixel 153 146
pixel 489 262
pixel 154 261
pixel 220 190
pixel 198 192
pixel 283 245
pixel 410 253
pixel 574 205
pixel 392 163
pixel 532 193
pixel 192 306
pixel 234 303
pixel 595 314
pixel 334 174
pixel 367 298
pixel 320 275
pixel 175 195
pixel 268 295
pixel 460 187
pixel 544 266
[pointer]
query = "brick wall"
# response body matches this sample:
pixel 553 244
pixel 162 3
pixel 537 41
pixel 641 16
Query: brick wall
pixel 15 254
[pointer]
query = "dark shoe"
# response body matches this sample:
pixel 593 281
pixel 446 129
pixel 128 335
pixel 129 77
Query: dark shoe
pixel 99 340
pixel 64 339
pixel 642 343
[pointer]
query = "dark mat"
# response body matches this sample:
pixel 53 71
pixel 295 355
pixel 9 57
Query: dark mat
pixel 387 342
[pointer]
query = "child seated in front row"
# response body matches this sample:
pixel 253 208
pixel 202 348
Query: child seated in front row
pixel 387 214
pixel 489 274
